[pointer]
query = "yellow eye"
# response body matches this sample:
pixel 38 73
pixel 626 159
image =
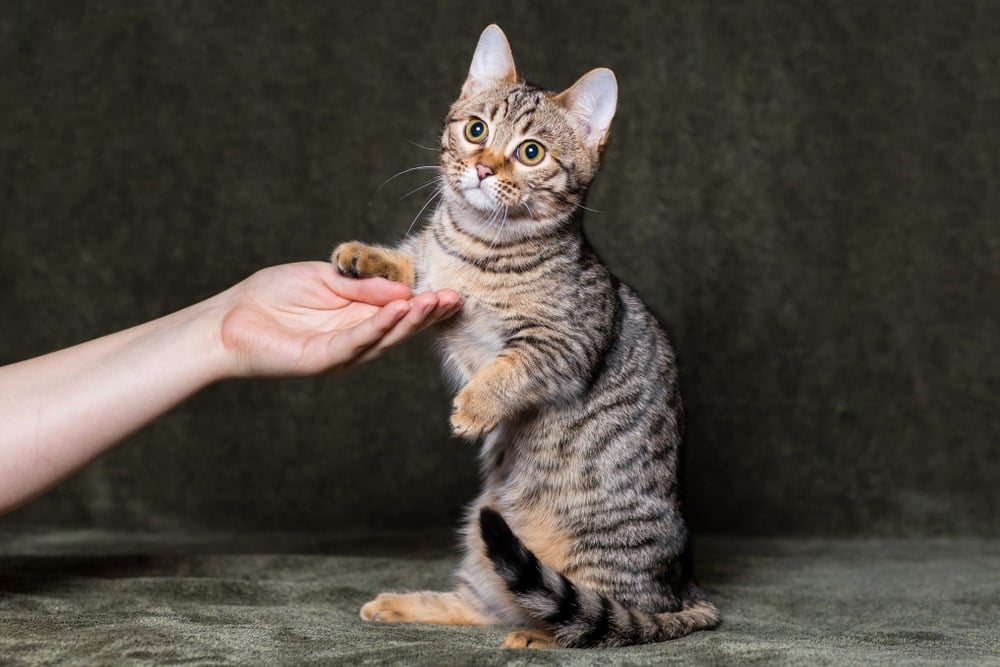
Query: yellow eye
pixel 530 153
pixel 476 131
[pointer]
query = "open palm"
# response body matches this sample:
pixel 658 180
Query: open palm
pixel 304 318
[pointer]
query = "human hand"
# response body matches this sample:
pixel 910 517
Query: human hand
pixel 305 318
pixel 60 410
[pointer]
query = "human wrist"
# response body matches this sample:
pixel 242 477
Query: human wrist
pixel 202 325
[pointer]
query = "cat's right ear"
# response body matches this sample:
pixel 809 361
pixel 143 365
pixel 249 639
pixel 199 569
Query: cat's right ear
pixel 492 63
pixel 592 101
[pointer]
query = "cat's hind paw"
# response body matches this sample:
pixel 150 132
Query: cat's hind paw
pixel 382 609
pixel 530 639
pixel 423 607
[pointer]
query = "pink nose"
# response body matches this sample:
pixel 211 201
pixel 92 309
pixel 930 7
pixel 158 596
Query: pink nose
pixel 483 171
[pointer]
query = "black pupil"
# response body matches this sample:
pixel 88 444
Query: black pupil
pixel 477 129
pixel 531 151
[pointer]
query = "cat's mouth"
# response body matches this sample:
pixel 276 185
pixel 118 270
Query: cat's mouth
pixel 480 199
pixel 492 210
pixel 489 197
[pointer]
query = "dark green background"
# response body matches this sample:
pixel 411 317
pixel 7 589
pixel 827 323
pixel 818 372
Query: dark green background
pixel 804 192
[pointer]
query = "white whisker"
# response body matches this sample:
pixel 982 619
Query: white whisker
pixel 434 195
pixel 490 223
pixel 407 171
pixel 564 199
pixel 528 209
pixel 503 223
pixel 421 187
pixel 426 148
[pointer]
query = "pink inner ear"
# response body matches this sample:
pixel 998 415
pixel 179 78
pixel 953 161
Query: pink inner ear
pixel 492 62
pixel 470 88
pixel 592 101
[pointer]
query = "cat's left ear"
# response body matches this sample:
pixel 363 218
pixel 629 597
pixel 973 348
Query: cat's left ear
pixel 592 102
pixel 492 63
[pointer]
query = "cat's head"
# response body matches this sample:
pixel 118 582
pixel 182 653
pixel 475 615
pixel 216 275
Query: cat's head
pixel 518 157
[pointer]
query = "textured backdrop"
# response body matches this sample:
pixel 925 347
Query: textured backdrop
pixel 805 192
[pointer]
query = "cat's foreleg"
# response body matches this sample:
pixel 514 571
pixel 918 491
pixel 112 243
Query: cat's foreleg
pixel 516 379
pixel 360 260
pixel 424 607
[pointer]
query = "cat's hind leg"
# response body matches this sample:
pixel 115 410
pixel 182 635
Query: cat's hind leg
pixel 424 607
pixel 530 639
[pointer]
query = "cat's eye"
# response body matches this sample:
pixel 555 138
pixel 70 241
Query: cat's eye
pixel 476 131
pixel 530 153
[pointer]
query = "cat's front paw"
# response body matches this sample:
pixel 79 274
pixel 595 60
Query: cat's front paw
pixel 358 260
pixel 474 413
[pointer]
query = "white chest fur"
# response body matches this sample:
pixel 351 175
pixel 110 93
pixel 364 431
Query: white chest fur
pixel 471 342
pixel 475 336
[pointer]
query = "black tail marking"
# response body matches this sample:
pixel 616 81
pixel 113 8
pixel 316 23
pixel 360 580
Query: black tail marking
pixel 522 571
pixel 519 567
pixel 582 617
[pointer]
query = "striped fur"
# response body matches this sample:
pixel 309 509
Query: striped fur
pixel 561 370
pixel 582 617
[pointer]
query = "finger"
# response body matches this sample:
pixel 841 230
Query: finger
pixel 375 291
pixel 428 308
pixel 423 307
pixel 352 345
pixel 449 303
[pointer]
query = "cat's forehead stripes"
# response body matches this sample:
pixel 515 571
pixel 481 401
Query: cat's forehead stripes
pixel 514 100
pixel 519 112
pixel 522 104
pixel 516 105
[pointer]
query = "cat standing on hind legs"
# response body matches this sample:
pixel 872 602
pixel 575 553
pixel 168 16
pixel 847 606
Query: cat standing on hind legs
pixel 577 537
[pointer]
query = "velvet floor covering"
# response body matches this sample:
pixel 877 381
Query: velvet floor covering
pixel 105 599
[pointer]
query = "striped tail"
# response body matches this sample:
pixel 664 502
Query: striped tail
pixel 581 617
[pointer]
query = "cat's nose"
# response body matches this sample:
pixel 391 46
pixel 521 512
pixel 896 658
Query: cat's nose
pixel 483 171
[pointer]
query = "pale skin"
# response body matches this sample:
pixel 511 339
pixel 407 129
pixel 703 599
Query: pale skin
pixel 61 410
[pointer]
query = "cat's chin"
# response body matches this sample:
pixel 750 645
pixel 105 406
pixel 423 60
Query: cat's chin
pixel 479 214
pixel 479 201
pixel 489 211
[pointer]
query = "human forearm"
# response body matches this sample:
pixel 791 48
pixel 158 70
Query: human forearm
pixel 61 410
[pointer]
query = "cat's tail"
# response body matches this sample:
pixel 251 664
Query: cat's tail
pixel 581 617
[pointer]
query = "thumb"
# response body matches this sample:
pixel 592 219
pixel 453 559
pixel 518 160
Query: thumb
pixel 374 291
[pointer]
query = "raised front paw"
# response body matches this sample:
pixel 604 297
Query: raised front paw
pixel 358 260
pixel 474 413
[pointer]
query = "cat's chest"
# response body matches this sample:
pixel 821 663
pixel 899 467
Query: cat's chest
pixel 471 341
pixel 477 335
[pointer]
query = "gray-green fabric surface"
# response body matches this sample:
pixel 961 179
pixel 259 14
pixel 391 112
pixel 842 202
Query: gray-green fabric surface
pixel 785 602
pixel 805 192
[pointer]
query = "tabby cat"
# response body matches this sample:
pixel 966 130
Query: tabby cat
pixel 577 536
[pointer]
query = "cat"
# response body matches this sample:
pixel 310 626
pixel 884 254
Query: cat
pixel 577 536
